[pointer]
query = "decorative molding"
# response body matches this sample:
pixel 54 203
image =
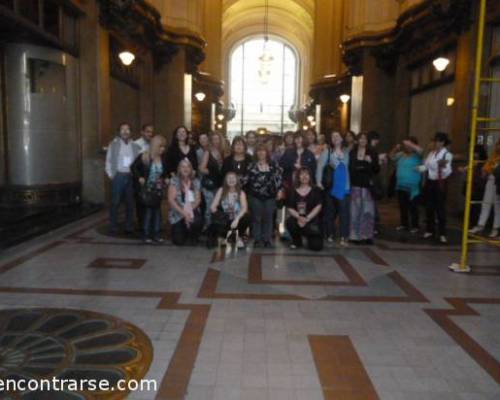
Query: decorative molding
pixel 140 23
pixel 419 31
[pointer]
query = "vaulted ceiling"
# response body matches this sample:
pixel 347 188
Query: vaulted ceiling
pixel 293 20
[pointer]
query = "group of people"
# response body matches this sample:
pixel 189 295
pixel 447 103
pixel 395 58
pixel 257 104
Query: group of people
pixel 317 188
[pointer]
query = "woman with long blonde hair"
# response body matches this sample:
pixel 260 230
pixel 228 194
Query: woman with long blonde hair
pixel 211 170
pixel 184 199
pixel 150 170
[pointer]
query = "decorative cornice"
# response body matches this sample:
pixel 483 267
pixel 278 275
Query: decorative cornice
pixel 422 26
pixel 140 22
pixel 209 83
pixel 331 83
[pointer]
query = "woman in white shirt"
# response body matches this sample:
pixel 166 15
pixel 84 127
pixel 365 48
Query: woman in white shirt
pixel 438 168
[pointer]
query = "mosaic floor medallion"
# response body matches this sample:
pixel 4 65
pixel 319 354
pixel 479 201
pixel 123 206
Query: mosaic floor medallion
pixel 70 344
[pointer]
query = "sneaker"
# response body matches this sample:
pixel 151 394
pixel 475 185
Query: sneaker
pixel 257 244
pixel 401 228
pixel 476 229
pixel 147 241
pixel 494 233
pixel 158 239
pixel 413 231
pixel 442 239
pixel 427 235
pixel 293 247
pixel 240 244
pixel 343 242
pixel 330 239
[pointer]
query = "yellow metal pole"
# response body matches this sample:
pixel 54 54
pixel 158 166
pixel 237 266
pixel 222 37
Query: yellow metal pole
pixel 463 266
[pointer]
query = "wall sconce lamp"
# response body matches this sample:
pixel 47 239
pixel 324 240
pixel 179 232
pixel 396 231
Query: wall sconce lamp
pixel 441 63
pixel 200 96
pixel 344 98
pixel 126 57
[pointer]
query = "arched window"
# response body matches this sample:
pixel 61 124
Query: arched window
pixel 263 86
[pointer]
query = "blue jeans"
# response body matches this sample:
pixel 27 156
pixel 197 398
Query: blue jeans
pixel 122 190
pixel 262 212
pixel 152 222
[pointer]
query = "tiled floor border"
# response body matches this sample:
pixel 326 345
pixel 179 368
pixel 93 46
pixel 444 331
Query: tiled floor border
pixel 208 289
pixel 340 370
pixel 175 381
pixel 461 307
pixel 255 271
pixel 117 263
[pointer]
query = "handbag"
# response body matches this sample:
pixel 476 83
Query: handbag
pixel 220 218
pixel 150 198
pixel 207 183
pixel 327 180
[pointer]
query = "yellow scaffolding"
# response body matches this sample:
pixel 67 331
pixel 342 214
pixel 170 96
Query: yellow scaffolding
pixel 467 238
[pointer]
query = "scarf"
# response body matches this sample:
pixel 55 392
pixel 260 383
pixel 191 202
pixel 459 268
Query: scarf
pixel 188 206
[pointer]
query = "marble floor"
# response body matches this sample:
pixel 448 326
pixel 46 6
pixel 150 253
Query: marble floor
pixel 383 322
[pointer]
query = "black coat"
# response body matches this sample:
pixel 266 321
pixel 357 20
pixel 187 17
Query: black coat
pixel 289 158
pixel 174 156
pixel 238 167
pixel 362 172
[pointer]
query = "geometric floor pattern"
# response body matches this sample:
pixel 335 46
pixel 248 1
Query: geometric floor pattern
pixel 381 322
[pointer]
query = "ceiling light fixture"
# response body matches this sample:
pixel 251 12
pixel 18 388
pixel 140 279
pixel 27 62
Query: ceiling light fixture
pixel 266 59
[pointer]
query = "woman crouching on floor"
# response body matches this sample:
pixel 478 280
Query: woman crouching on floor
pixel 304 206
pixel 229 211
pixel 184 199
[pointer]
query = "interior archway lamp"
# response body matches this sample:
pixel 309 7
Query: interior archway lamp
pixel 266 58
pixel 200 96
pixel 441 63
pixel 344 98
pixel 126 57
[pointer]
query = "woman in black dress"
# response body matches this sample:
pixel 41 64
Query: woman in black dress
pixel 179 150
pixel 304 207
pixel 239 160
pixel 211 171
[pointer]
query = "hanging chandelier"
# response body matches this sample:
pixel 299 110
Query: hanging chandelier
pixel 266 59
